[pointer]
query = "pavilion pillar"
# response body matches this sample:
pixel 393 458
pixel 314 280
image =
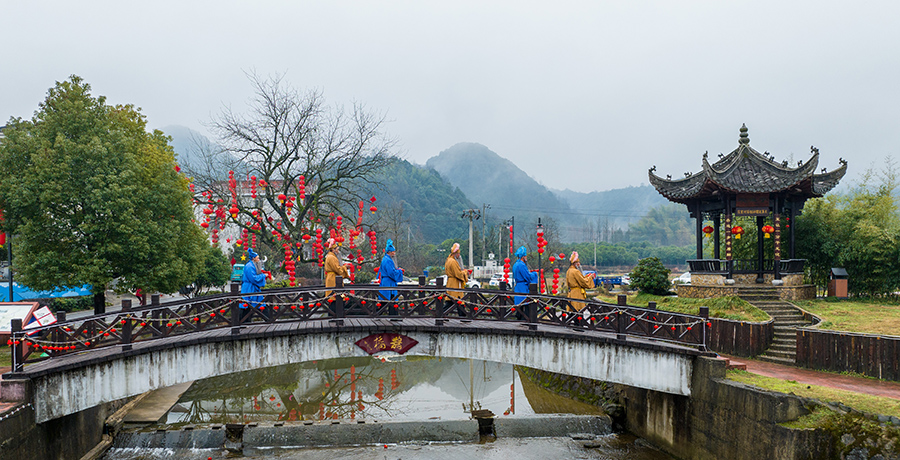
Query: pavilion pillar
pixel 760 253
pixel 699 231
pixel 777 251
pixel 791 223
pixel 729 262
pixel 716 243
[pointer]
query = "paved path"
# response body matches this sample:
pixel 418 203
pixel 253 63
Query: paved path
pixel 864 385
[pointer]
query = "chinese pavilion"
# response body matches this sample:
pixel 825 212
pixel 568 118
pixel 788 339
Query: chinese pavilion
pixel 746 188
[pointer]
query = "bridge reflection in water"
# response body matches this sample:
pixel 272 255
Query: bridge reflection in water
pixel 391 388
pixel 398 389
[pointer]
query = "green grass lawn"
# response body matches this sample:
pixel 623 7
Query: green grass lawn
pixel 870 316
pixel 858 401
pixel 720 307
pixel 5 356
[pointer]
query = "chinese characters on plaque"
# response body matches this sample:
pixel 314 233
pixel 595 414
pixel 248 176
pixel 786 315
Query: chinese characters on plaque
pixel 376 343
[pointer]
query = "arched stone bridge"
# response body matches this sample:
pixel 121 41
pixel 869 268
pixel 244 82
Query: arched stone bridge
pixel 74 365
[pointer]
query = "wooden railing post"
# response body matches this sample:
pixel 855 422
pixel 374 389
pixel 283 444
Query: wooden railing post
pixel 17 350
pixel 57 334
pixel 621 324
pixel 338 301
pixel 236 316
pixel 154 314
pixel 704 313
pixel 532 306
pixel 127 327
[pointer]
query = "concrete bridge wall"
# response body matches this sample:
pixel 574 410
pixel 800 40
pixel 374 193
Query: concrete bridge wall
pixel 56 394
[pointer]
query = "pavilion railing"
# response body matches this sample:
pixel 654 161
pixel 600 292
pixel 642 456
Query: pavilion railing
pixel 720 266
pixel 156 321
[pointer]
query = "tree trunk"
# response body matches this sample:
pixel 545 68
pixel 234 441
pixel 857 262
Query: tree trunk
pixel 100 302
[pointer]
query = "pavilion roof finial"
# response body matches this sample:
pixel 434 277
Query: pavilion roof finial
pixel 745 138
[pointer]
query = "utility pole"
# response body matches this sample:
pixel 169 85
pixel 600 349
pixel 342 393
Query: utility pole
pixel 484 207
pixel 472 215
pixel 10 268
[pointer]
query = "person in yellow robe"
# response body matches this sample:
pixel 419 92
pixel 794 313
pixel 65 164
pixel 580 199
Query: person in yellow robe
pixel 333 267
pixel 457 277
pixel 577 282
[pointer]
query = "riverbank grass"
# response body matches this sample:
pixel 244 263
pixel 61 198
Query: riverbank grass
pixel 859 401
pixel 866 316
pixel 721 307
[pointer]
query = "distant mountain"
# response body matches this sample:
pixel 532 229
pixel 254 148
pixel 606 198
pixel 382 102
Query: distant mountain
pixel 488 178
pixel 189 146
pixel 420 203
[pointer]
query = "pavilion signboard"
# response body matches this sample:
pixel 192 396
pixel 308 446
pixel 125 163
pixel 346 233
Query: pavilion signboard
pixel 752 204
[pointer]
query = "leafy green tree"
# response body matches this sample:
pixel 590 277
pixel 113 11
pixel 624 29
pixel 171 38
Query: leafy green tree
pixel 651 276
pixel 857 231
pixel 216 270
pixel 93 197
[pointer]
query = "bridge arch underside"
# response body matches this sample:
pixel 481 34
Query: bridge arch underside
pixel 77 386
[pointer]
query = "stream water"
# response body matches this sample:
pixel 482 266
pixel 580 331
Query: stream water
pixel 388 388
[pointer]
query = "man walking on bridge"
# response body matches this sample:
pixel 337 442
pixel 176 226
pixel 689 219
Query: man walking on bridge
pixel 333 267
pixel 389 273
pixel 456 277
pixel 521 275
pixel 577 283
pixel 252 280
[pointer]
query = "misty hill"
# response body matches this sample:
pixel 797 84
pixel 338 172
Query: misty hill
pixel 486 177
pixel 188 144
pixel 620 207
pixel 416 202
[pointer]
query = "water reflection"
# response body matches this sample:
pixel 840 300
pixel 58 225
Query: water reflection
pixel 396 388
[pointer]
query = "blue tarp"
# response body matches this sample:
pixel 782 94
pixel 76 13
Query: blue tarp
pixel 23 293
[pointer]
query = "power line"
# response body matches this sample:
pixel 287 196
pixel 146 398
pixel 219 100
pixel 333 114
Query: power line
pixel 578 213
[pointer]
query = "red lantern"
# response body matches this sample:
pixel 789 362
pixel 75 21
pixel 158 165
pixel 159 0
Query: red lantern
pixel 737 231
pixel 768 230
pixel 708 230
pixel 373 208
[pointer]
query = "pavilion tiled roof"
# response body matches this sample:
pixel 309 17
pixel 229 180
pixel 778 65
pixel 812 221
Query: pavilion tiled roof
pixel 745 170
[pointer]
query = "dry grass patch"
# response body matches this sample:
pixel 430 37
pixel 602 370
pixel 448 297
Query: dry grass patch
pixel 867 316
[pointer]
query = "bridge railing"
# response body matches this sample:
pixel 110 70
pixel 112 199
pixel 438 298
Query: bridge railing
pixel 157 321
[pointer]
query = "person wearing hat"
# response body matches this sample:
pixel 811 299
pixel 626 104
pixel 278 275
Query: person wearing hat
pixel 522 276
pixel 456 277
pixel 389 274
pixel 333 267
pixel 252 281
pixel 577 282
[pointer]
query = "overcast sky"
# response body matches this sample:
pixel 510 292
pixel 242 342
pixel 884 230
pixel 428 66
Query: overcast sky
pixel 581 95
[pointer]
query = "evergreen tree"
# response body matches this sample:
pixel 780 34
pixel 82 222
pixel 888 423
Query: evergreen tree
pixel 651 276
pixel 856 231
pixel 92 197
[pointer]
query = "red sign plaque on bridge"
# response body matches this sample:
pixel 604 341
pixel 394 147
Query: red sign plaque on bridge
pixel 376 343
